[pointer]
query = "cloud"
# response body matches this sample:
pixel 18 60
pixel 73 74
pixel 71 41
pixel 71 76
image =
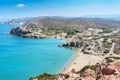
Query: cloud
pixel 21 6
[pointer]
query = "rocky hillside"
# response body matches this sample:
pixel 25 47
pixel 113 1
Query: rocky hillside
pixel 107 69
pixel 52 26
pixel 19 20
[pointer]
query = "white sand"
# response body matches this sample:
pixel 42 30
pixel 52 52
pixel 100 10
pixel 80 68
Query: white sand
pixel 80 60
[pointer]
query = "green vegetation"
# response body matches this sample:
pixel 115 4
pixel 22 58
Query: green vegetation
pixel 51 32
pixel 106 51
pixel 110 43
pixel 117 58
pixel 45 76
pixel 105 31
pixel 69 31
pixel 93 67
pixel 78 37
pixel 106 38
pixel 68 36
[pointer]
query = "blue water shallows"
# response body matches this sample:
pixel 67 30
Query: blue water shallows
pixel 22 58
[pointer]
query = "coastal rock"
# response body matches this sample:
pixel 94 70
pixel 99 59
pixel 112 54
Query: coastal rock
pixel 106 70
pixel 21 31
pixel 72 44
pixel 112 67
pixel 88 73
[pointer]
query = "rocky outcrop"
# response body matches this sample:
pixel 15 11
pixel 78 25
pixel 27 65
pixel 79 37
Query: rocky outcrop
pixel 88 74
pixel 22 31
pixel 107 69
pixel 19 31
pixel 111 67
pixel 72 44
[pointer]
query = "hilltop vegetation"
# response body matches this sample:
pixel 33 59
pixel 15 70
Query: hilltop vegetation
pixel 74 23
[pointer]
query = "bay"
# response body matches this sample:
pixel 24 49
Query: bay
pixel 22 58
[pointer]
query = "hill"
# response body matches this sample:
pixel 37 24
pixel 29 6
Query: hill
pixel 54 25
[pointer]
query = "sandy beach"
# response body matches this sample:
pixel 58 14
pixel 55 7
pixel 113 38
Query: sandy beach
pixel 80 60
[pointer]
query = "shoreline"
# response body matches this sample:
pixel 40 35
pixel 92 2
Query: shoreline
pixel 67 63
pixel 79 60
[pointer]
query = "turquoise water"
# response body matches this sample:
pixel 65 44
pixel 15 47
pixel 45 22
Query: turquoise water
pixel 21 58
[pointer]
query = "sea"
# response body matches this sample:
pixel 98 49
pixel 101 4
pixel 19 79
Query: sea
pixel 22 58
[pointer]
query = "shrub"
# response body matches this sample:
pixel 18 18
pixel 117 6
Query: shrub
pixel 69 31
pixel 45 76
pixel 117 58
pixel 93 67
pixel 106 51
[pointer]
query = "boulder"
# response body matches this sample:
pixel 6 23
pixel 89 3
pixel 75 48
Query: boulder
pixel 88 73
pixel 19 31
pixel 112 66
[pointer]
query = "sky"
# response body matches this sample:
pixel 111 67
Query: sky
pixel 68 8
